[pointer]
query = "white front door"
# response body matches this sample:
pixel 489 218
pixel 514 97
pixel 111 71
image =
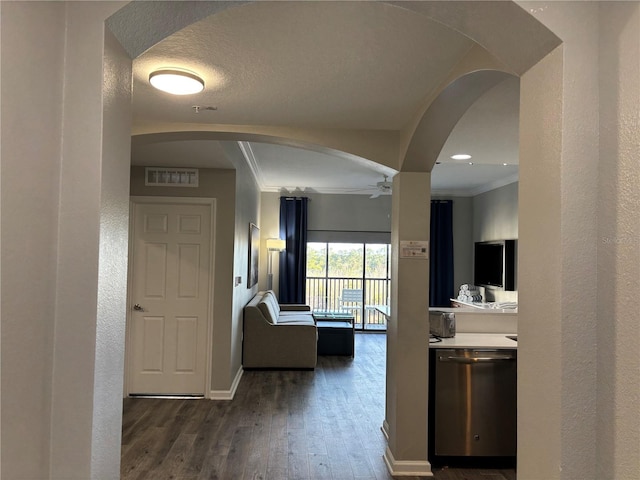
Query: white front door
pixel 169 298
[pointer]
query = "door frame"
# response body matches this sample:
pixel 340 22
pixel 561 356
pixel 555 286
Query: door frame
pixel 135 200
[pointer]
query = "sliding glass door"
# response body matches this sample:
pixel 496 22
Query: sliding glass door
pixel 350 277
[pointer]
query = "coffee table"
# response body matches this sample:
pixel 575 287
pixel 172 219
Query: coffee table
pixel 335 333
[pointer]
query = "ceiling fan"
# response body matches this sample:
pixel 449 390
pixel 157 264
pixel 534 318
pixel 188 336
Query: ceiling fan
pixel 384 188
pixel 376 189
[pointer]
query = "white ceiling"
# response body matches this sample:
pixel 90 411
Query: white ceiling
pixel 323 65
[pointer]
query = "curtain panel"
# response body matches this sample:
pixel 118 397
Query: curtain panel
pixel 293 261
pixel 441 287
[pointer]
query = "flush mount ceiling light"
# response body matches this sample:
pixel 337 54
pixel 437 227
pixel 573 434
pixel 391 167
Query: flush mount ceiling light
pixel 176 82
pixel 461 156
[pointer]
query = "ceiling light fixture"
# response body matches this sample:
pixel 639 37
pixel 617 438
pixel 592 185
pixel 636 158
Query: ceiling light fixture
pixel 460 156
pixel 176 82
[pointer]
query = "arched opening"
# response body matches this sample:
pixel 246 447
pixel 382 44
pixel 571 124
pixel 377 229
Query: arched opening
pixel 565 93
pixel 429 127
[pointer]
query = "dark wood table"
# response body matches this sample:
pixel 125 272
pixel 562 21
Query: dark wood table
pixel 336 333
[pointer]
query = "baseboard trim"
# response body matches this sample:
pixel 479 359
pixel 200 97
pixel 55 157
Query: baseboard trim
pixel 385 429
pixel 227 394
pixel 406 468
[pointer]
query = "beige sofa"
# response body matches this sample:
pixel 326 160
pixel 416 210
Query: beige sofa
pixel 278 336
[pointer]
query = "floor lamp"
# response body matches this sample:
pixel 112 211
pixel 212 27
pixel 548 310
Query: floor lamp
pixel 273 245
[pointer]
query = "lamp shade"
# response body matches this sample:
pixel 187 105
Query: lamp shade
pixel 276 245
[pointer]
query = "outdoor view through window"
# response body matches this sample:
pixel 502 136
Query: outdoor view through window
pixel 349 277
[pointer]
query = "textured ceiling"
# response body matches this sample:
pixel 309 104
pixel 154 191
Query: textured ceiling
pixel 330 65
pixel 309 64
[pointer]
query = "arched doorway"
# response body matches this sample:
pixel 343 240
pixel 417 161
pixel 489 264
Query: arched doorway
pixel 86 42
pixel 448 16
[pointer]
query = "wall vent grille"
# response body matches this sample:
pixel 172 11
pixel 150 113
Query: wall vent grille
pixel 171 177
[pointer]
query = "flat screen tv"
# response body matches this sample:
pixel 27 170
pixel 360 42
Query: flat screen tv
pixel 495 264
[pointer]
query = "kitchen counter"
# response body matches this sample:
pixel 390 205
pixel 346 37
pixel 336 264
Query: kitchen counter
pixel 477 320
pixel 468 308
pixel 477 340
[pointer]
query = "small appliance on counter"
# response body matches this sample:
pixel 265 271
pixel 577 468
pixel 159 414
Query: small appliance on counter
pixel 442 324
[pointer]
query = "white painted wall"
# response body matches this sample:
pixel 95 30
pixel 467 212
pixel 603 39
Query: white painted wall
pixel 93 200
pixel 269 228
pixel 618 243
pixel 495 214
pixel 32 39
pixel 62 346
pixel 558 234
pixel 495 217
pixel 539 328
pixel 349 213
pixel 407 330
pixel 112 266
pixel 247 210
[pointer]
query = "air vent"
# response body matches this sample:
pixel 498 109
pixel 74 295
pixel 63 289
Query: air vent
pixel 170 177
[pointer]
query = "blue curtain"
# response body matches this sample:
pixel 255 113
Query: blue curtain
pixel 293 261
pixel 441 254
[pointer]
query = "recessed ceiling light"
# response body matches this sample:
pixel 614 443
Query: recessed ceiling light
pixel 176 82
pixel 505 164
pixel 461 156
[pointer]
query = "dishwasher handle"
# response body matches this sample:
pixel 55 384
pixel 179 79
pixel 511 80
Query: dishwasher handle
pixel 472 360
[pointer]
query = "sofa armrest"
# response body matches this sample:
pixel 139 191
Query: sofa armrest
pixel 291 307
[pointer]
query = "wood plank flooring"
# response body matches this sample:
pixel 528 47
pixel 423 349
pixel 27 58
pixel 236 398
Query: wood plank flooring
pixel 293 425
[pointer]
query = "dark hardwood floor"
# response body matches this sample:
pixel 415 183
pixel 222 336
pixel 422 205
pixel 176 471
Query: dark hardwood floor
pixel 313 425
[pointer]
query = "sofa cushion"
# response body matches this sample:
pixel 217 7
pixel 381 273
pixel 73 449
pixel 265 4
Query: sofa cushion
pixel 299 319
pixel 270 298
pixel 270 312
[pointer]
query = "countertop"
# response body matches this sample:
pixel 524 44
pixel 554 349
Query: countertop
pixel 476 310
pixel 503 306
pixel 477 340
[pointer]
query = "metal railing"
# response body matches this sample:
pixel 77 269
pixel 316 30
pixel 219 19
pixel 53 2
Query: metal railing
pixel 323 294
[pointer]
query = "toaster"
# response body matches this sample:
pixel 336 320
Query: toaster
pixel 442 324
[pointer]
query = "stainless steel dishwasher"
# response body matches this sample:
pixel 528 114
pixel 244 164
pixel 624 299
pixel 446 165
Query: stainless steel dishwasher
pixel 475 402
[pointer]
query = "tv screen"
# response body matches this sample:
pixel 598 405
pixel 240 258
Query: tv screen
pixel 489 264
pixel 495 264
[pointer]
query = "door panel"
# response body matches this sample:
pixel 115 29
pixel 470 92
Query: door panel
pixel 154 269
pixel 186 338
pixel 152 344
pixel 188 274
pixel 156 223
pixel 170 285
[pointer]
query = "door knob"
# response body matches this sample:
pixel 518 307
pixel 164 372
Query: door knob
pixel 138 307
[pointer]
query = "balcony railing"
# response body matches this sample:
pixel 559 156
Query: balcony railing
pixel 324 294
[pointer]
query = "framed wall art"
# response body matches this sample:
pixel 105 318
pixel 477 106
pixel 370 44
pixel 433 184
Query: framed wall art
pixel 254 255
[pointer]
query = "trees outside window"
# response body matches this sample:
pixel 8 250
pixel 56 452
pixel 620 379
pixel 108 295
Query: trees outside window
pixel 333 267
